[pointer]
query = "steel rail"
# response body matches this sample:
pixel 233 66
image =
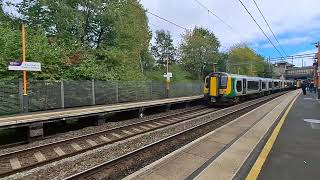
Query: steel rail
pixel 91 171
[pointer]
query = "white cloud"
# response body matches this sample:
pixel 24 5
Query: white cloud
pixel 307 52
pixel 285 16
pixel 291 41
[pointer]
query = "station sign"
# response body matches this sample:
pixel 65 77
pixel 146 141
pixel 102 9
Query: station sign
pixel 168 75
pixel 24 66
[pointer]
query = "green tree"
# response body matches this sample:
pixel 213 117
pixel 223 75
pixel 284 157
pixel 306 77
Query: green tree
pixel 246 61
pixel 1 8
pixel 147 61
pixel 3 16
pixel 199 52
pixel 164 47
pixel 110 34
pixel 221 63
pixel 38 49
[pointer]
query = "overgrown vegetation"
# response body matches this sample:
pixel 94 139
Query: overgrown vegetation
pixel 111 40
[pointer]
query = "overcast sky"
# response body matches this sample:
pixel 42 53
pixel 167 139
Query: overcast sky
pixel 296 23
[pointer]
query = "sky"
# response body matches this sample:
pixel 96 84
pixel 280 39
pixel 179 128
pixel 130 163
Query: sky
pixel 296 23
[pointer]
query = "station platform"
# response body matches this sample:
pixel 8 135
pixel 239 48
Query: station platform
pixel 34 121
pixel 83 111
pixel 233 150
pixel 294 150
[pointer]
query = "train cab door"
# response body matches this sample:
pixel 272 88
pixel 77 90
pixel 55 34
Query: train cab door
pixel 244 86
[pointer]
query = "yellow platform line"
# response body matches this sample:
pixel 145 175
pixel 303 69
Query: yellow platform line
pixel 256 168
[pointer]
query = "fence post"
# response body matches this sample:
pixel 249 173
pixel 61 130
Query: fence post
pixel 93 92
pixel 151 91
pixel 167 90
pixel 117 92
pixel 46 99
pixel 21 95
pixel 136 92
pixel 62 94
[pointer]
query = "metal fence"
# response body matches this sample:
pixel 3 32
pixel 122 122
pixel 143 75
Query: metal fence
pixel 50 95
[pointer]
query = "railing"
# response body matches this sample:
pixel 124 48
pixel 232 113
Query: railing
pixel 51 95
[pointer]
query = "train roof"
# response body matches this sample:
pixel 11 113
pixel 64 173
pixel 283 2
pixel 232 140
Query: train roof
pixel 251 77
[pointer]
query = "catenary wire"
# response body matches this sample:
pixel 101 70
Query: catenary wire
pixel 264 18
pixel 220 19
pixel 166 20
pixel 260 28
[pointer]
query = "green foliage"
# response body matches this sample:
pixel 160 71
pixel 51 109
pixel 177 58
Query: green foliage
pixel 147 61
pixel 10 50
pixel 163 47
pixel 179 74
pixel 106 40
pixel 199 52
pixel 110 40
pixel 38 49
pixel 245 61
pixel 1 10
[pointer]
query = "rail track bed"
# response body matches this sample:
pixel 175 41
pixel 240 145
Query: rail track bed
pixel 22 160
pixel 128 163
pixel 195 123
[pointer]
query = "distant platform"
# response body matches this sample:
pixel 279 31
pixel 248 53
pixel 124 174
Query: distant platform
pixel 22 119
pixel 227 152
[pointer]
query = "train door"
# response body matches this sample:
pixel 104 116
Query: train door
pixel 244 86
pixel 260 84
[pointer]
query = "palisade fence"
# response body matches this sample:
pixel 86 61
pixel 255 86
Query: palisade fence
pixel 51 95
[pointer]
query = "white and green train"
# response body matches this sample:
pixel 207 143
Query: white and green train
pixel 224 88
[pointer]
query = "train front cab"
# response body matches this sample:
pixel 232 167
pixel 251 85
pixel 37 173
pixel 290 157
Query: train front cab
pixel 218 87
pixel 297 84
pixel 211 88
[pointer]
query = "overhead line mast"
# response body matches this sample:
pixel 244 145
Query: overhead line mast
pixel 260 28
pixel 310 55
pixel 269 27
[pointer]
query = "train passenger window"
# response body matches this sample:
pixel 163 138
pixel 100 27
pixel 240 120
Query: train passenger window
pixel 264 85
pixel 239 86
pixel 270 85
pixel 253 85
pixel 276 84
pixel 223 82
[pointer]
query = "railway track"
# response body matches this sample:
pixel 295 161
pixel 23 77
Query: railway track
pixel 26 159
pixel 128 163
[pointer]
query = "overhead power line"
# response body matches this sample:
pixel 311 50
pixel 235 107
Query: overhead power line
pixel 159 17
pixel 260 28
pixel 265 20
pixel 166 20
pixel 220 19
pixel 223 21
